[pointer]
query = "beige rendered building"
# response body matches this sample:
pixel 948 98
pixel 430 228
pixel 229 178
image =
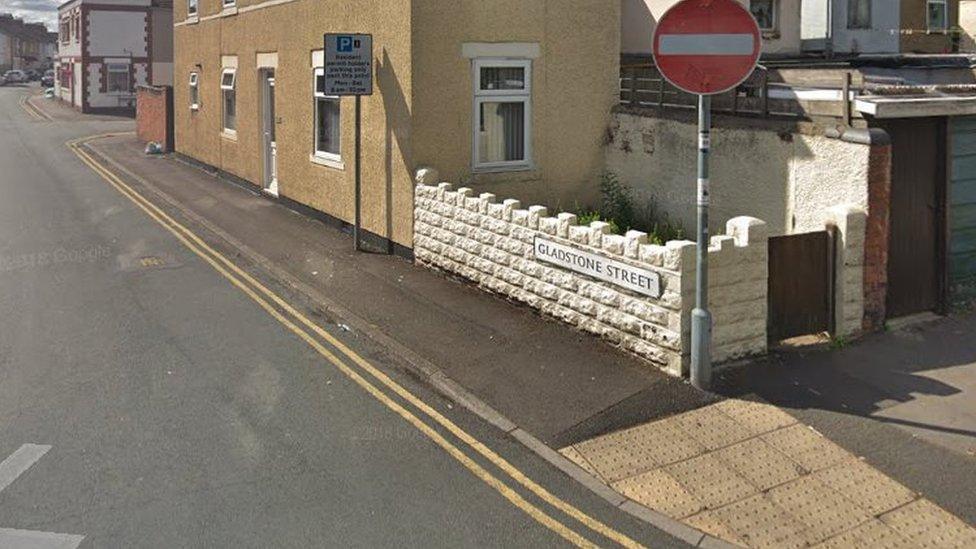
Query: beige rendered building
pixel 511 96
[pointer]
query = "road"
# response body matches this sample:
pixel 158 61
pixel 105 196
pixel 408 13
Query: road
pixel 180 413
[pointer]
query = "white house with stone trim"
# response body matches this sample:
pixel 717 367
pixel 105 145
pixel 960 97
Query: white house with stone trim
pixel 108 47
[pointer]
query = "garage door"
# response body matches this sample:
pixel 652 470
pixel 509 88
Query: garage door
pixel 962 209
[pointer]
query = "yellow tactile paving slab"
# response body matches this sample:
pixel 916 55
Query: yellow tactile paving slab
pixel 927 525
pixel 576 457
pixel 750 474
pixel 660 491
pixel 758 417
pixel 824 512
pixel 759 463
pixel 807 447
pixel 865 486
pixel 712 428
pixel 712 482
pixel 873 533
pixel 760 523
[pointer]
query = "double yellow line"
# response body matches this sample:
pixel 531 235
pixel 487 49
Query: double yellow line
pixel 304 328
pixel 32 110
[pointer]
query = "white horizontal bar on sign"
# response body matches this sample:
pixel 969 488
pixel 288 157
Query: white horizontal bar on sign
pixel 707 44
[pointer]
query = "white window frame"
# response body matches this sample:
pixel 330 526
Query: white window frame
pixel 330 159
pixel 192 7
pixel 229 3
pixel 774 16
pixel 507 96
pixel 195 91
pixel 945 15
pixel 108 77
pixel 224 88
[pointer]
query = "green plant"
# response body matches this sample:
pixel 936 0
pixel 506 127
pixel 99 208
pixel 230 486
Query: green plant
pixel 838 342
pixel 621 210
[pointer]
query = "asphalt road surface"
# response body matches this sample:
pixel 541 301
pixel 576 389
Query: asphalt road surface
pixel 145 401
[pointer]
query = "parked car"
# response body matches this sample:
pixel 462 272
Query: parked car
pixel 15 77
pixel 47 81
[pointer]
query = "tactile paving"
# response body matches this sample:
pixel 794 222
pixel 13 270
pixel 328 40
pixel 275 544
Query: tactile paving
pixel 868 488
pixel 927 525
pixel 572 454
pixel 758 417
pixel 760 523
pixel 823 511
pixel 760 463
pixel 659 491
pixel 807 447
pixel 634 451
pixel 712 428
pixel 708 523
pixel 873 534
pixel 712 482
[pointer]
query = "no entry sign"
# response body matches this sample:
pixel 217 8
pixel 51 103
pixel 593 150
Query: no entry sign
pixel 707 46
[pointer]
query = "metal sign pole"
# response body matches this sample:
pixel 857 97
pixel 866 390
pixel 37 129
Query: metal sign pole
pixel 701 318
pixel 357 228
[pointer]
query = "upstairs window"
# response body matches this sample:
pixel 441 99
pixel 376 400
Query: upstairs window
pixel 229 3
pixel 765 13
pixel 191 7
pixel 937 15
pixel 859 14
pixel 194 91
pixel 327 120
pixel 228 89
pixel 118 78
pixel 502 114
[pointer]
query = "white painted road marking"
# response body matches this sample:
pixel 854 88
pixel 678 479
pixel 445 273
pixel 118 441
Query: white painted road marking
pixel 707 44
pixel 27 539
pixel 17 464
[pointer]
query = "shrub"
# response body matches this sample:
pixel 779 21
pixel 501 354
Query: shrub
pixel 619 209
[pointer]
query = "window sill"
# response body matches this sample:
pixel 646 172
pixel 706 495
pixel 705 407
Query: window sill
pixel 230 135
pixel 521 167
pixel 192 20
pixel 194 108
pixel 327 161
pixel 228 10
pixel 770 34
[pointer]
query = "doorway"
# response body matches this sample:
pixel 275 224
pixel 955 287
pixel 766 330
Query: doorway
pixel 916 258
pixel 267 79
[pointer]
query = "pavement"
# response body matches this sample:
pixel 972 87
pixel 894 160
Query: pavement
pixel 150 399
pixel 890 411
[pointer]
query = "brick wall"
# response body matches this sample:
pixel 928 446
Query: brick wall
pixel 876 236
pixel 154 116
pixel 492 243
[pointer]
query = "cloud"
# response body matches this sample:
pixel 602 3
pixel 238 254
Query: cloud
pixel 40 11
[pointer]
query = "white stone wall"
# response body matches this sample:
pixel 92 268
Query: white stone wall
pixel 851 224
pixel 491 243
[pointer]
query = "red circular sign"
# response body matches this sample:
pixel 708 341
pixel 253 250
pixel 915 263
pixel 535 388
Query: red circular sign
pixel 707 46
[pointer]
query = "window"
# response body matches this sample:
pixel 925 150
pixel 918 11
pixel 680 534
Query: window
pixel 765 13
pixel 229 3
pixel 938 19
pixel 191 7
pixel 118 78
pixel 502 114
pixel 194 91
pixel 859 14
pixel 228 82
pixel 327 120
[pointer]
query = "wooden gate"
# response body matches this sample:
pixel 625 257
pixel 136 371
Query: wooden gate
pixel 801 284
pixel 916 256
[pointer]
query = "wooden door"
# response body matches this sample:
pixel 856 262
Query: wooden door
pixel 801 276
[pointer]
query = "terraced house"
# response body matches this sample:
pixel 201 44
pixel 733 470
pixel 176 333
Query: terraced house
pixel 513 96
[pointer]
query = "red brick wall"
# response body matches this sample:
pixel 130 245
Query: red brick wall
pixel 153 116
pixel 876 237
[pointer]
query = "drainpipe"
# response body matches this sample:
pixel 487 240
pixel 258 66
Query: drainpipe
pixel 829 39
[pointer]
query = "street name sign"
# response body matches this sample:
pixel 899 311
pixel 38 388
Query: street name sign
pixel 642 281
pixel 348 64
pixel 707 47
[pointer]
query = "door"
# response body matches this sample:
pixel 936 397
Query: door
pixel 801 279
pixel 915 260
pixel 962 209
pixel 268 128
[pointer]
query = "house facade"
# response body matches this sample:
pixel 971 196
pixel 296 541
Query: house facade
pixel 25 45
pixel 108 47
pixel 791 28
pixel 513 96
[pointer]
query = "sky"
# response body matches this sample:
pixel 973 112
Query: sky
pixel 43 11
